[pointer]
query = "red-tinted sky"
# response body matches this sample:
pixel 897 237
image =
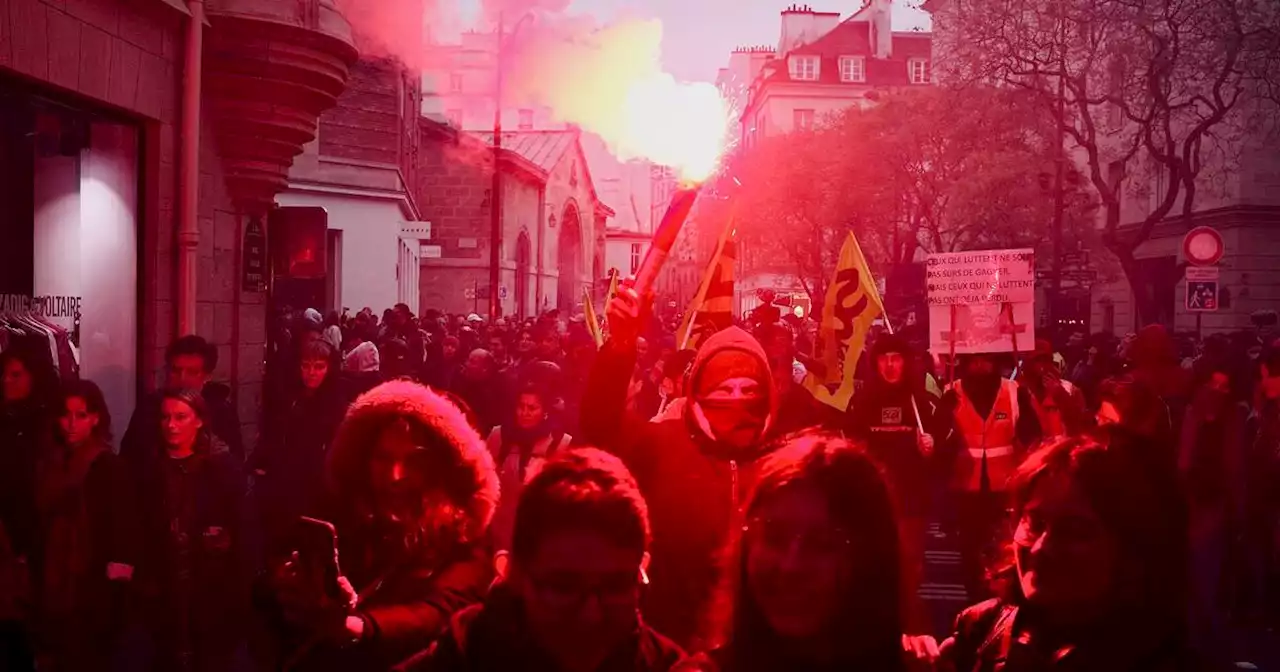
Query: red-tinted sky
pixel 699 34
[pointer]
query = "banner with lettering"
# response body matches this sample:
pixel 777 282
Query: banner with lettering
pixel 982 301
pixel 851 306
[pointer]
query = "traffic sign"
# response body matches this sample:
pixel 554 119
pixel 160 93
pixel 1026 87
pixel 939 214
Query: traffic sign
pixel 1203 246
pixel 1080 258
pixel 1203 273
pixel 1080 275
pixel 469 294
pixel 1202 296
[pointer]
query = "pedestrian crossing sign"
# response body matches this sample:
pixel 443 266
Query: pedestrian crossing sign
pixel 1202 296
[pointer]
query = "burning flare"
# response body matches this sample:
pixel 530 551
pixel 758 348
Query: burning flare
pixel 609 81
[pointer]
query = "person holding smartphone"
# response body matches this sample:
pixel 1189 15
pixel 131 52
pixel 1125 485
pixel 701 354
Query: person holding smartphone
pixel 412 490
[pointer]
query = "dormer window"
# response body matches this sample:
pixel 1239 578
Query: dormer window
pixel 804 68
pixel 918 71
pixel 853 69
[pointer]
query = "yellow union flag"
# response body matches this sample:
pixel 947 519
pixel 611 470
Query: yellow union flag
pixel 593 322
pixel 852 304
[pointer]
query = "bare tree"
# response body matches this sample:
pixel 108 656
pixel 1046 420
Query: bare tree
pixel 1146 91
pixel 931 169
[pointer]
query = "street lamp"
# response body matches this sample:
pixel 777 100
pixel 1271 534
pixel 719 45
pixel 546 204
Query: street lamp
pixel 495 198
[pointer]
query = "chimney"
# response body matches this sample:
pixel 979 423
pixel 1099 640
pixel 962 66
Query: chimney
pixel 797 24
pixel 882 28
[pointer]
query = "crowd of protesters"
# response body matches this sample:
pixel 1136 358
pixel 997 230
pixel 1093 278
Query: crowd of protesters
pixel 443 493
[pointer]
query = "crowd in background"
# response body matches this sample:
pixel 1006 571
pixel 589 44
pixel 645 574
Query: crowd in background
pixel 1118 500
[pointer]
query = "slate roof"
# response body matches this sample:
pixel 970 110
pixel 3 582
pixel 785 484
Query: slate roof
pixel 543 149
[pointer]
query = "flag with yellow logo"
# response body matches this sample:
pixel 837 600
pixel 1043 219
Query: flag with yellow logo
pixel 593 322
pixel 712 307
pixel 852 304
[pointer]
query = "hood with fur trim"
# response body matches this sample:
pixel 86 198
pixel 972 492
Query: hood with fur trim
pixel 471 481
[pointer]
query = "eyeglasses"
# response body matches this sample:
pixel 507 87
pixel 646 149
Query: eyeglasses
pixel 567 590
pixel 778 537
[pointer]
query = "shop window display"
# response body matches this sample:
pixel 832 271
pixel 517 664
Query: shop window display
pixel 69 241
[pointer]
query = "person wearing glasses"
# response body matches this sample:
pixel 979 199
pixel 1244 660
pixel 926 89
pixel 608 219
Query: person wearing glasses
pixel 1097 572
pixel 568 596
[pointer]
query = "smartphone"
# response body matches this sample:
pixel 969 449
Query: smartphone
pixel 316 543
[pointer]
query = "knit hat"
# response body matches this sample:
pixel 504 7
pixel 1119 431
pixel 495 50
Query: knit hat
pixel 886 343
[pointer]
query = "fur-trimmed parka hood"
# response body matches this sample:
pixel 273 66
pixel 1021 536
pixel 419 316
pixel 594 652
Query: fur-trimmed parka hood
pixel 473 485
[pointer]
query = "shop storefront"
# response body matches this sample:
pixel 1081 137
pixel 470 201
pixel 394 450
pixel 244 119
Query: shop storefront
pixel 69 239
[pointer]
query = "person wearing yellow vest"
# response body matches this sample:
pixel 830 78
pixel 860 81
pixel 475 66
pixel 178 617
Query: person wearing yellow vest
pixel 994 424
pixel 1059 405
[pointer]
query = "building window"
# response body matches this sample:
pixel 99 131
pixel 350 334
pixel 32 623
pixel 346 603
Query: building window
pixel 853 69
pixel 69 254
pixel 455 117
pixel 803 120
pixel 635 257
pixel 804 68
pixel 455 82
pixel 526 120
pixel 918 71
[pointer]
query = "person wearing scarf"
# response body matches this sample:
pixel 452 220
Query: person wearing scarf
pixel 693 469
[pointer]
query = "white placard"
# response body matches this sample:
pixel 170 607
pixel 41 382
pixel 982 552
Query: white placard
pixel 987 276
pixel 984 301
pixel 430 252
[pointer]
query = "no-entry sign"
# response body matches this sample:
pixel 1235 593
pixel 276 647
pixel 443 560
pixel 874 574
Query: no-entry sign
pixel 1203 246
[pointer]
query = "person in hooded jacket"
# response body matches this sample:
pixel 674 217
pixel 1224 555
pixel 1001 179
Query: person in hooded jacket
pixel 569 594
pixel 288 465
pixel 412 492
pixel 693 469
pixel 896 418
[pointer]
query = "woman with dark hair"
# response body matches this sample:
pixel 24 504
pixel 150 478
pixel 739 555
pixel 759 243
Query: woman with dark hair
pixel 289 462
pixel 1098 573
pixel 192 501
pixel 29 384
pixel 89 545
pixel 815 582
pixel 519 447
pixel 413 490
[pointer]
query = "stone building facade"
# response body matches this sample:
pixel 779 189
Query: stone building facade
pixel 103 81
pixel 553 223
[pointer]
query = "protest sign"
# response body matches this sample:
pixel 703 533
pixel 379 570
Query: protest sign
pixel 981 301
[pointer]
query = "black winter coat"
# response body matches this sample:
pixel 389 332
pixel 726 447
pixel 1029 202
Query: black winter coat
pixel 494 638
pixel 24 426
